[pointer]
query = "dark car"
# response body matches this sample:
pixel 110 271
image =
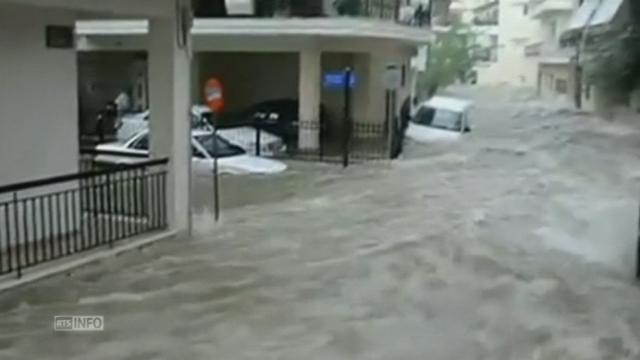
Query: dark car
pixel 279 117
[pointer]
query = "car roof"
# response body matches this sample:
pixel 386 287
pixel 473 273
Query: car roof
pixel 448 103
pixel 200 132
pixel 201 109
pixel 194 132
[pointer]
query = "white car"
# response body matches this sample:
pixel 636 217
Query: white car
pixel 201 119
pixel 232 159
pixel 440 119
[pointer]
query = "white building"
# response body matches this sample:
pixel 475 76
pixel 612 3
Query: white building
pixel 502 28
pixel 259 57
pixel 555 70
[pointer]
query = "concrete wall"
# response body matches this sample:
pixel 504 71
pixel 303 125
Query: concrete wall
pixel 249 78
pixel 549 76
pixel 38 108
pixel 38 97
pixel 380 59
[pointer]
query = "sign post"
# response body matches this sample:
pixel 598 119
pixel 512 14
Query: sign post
pixel 215 100
pixel 344 80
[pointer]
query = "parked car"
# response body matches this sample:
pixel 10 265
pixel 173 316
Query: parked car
pixel 440 119
pixel 202 119
pixel 278 116
pixel 232 159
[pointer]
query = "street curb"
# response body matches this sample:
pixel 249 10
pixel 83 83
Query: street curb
pixel 64 265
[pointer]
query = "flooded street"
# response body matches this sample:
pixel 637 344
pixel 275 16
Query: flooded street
pixel 517 243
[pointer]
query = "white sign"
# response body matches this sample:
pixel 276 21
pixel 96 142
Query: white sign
pixel 393 77
pixel 78 323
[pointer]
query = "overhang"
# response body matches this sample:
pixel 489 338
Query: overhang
pixel 270 27
pixel 592 14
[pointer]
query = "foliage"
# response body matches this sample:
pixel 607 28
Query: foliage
pixel 347 7
pixel 451 57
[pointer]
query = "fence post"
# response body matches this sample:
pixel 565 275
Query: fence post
pixel 321 138
pixel 638 251
pixel 109 213
pixel 258 146
pixel 16 223
pixel 216 187
pixel 346 138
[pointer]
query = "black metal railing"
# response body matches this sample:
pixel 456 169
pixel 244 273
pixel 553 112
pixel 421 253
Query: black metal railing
pixel 342 142
pixel 392 10
pixel 48 219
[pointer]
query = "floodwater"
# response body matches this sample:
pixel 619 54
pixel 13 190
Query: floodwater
pixel 517 243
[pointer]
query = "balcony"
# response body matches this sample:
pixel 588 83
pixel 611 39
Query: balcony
pixel 487 14
pixel 387 10
pixel 549 53
pixel 541 8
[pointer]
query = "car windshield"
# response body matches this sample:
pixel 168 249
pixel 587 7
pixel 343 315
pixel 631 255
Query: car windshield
pixel 439 118
pixel 224 148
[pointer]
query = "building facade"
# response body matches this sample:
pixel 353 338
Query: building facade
pixel 262 54
pixel 502 29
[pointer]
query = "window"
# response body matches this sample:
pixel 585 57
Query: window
pixel 220 147
pixel 587 91
pixel 424 116
pixel 197 153
pixel 447 120
pixel 494 48
pixel 439 118
pixel 561 86
pixel 525 10
pixel 554 30
pixel 142 143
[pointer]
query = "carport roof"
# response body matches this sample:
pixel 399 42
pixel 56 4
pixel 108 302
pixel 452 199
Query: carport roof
pixel 326 27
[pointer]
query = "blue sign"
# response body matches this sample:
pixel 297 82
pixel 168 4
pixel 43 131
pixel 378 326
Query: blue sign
pixel 337 80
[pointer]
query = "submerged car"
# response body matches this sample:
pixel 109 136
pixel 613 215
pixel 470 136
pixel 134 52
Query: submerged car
pixel 277 116
pixel 440 119
pixel 205 147
pixel 202 119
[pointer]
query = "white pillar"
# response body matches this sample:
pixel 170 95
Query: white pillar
pixel 310 97
pixel 170 102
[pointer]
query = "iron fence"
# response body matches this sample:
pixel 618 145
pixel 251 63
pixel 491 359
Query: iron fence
pixel 344 143
pixel 48 219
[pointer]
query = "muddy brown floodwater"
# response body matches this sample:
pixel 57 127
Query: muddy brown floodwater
pixel 517 243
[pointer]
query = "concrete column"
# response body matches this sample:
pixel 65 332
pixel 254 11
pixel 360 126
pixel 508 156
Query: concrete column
pixel 310 98
pixel 170 100
pixel 196 86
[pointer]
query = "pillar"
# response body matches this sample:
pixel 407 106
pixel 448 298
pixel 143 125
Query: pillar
pixel 310 97
pixel 170 102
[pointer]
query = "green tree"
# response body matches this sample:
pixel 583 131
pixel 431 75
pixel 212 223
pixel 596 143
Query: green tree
pixel 612 59
pixel 451 57
pixel 348 7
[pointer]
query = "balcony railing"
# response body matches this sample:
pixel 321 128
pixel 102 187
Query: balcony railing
pixel 53 218
pixel 392 10
pixel 533 50
pixel 539 8
pixel 548 51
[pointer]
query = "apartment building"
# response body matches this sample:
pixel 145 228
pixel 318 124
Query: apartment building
pixel 555 73
pixel 502 29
